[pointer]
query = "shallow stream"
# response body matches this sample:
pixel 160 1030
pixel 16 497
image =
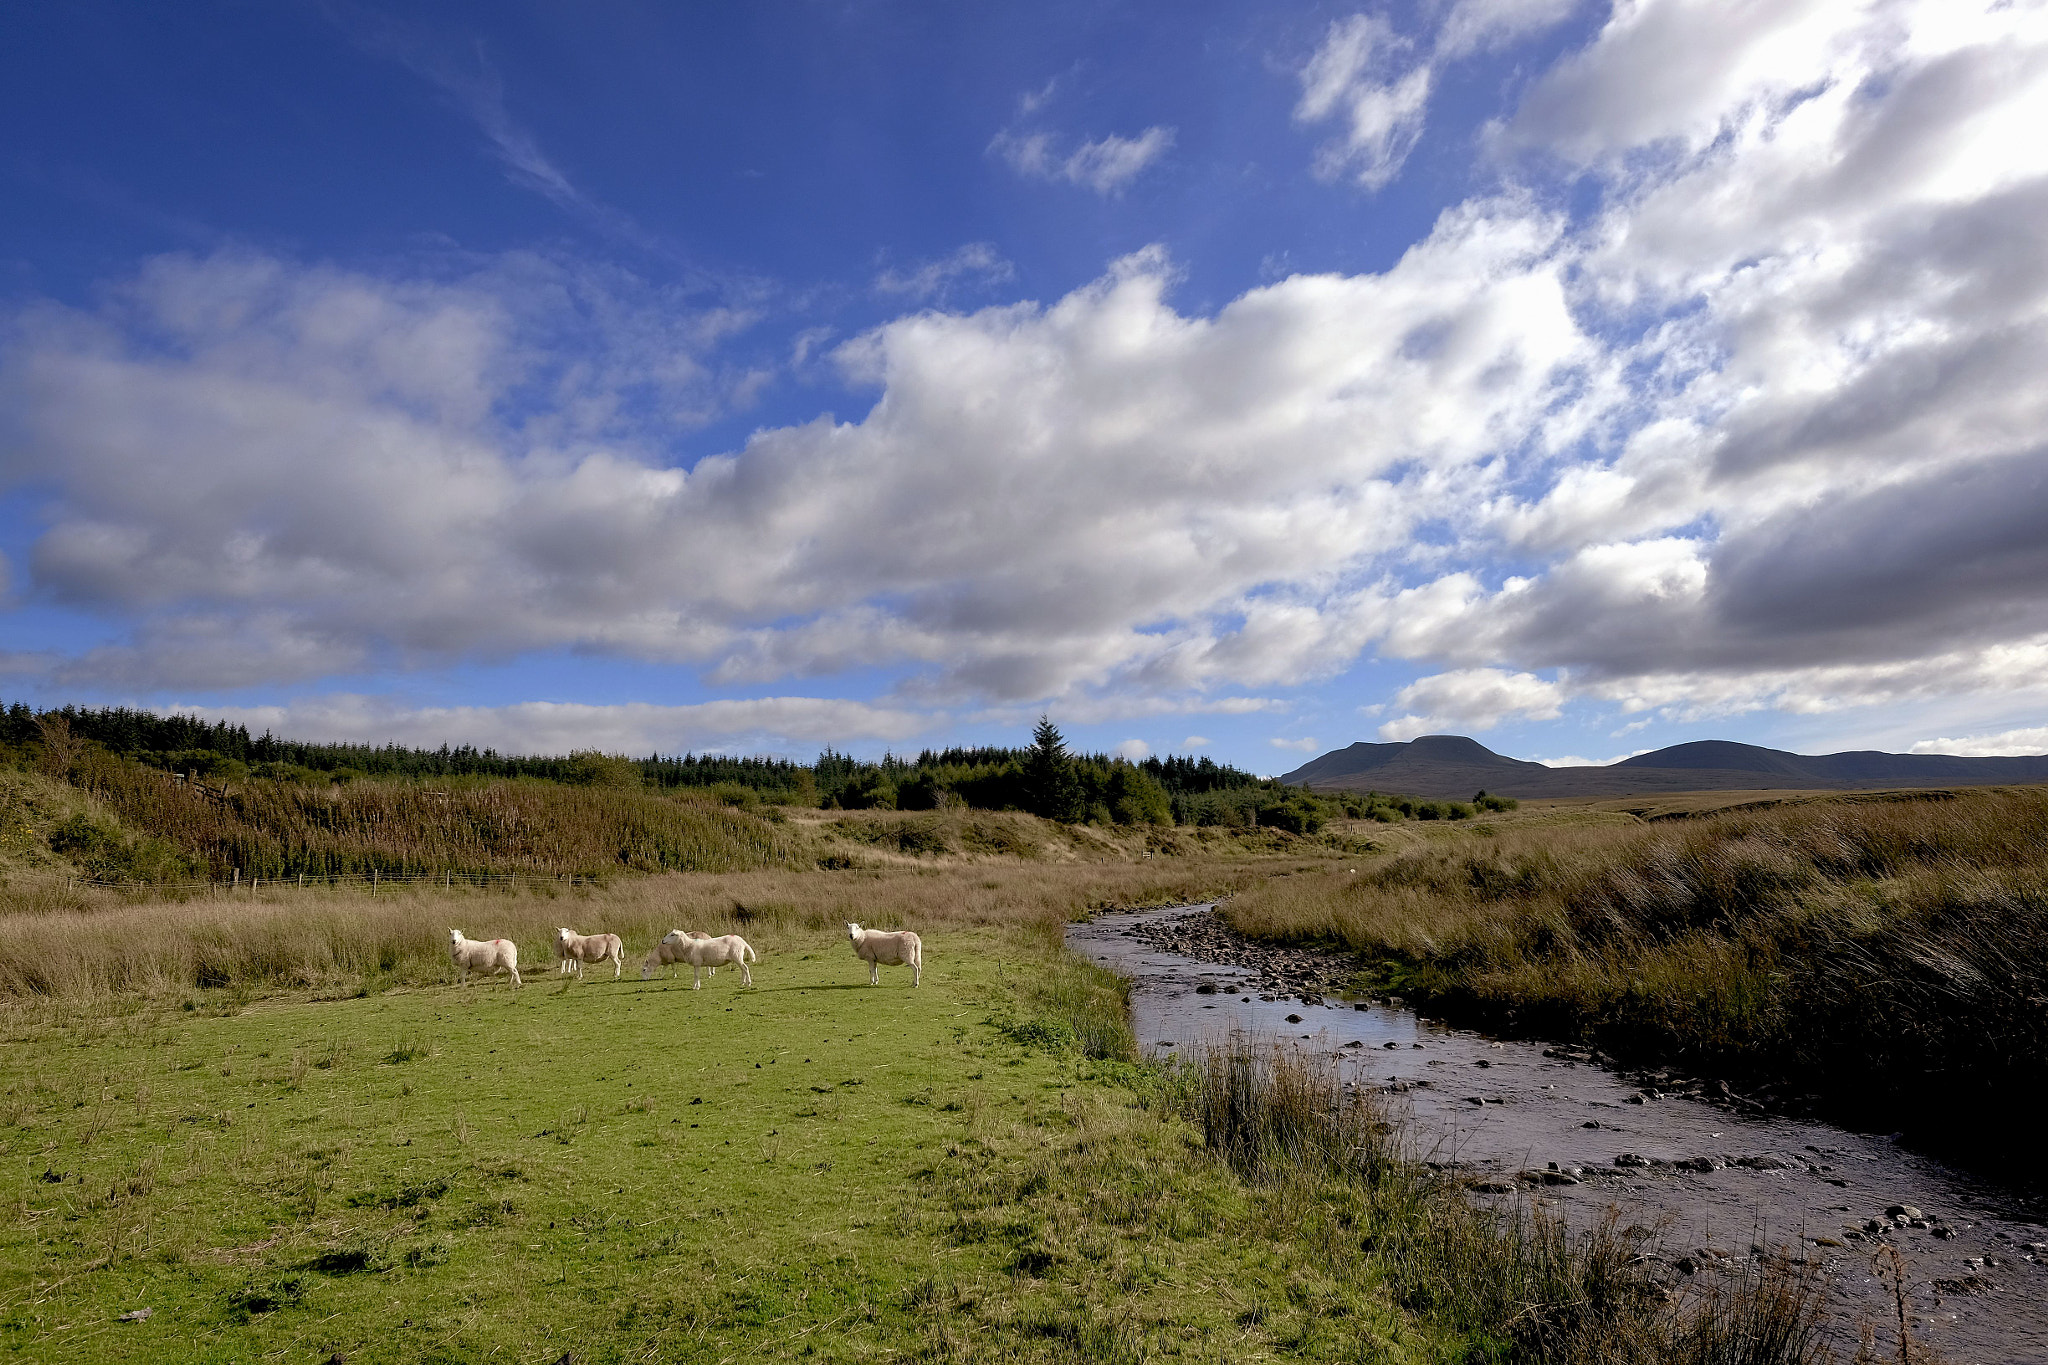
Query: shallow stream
pixel 1517 1118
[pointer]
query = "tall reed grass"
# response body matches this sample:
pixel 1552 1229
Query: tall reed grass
pixel 1889 957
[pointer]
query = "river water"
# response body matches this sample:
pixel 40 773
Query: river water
pixel 1724 1187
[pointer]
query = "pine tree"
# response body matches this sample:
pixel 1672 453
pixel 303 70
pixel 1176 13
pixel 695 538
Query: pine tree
pixel 1049 781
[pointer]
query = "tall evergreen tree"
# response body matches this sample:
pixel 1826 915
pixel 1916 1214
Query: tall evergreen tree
pixel 1049 780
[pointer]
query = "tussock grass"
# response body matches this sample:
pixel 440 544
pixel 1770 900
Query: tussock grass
pixel 1516 1284
pixel 1862 951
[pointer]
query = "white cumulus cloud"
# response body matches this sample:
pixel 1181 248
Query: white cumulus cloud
pixel 1726 396
pixel 1471 699
pixel 2026 741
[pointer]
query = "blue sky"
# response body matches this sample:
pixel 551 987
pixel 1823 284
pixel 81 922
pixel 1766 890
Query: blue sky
pixel 1254 379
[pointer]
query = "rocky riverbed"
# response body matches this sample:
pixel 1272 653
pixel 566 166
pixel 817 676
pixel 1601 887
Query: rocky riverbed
pixel 1273 970
pixel 1715 1182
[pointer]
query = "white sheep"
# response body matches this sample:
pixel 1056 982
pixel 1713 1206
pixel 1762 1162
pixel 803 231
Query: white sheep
pixel 576 949
pixel 701 953
pixel 489 956
pixel 662 955
pixel 876 948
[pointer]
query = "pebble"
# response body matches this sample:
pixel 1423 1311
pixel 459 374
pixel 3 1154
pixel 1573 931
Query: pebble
pixel 1278 971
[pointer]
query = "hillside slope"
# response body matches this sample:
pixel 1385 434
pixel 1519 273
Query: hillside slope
pixel 1456 766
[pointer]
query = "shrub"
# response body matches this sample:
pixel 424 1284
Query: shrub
pixel 589 768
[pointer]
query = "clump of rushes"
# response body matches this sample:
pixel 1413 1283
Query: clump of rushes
pixel 1516 1284
pixel 1849 952
pixel 1271 1111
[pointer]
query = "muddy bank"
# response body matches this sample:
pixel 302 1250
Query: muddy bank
pixel 1724 1182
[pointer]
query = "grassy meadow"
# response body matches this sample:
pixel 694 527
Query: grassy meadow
pixel 271 1120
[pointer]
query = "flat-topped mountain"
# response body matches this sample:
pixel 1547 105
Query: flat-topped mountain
pixel 1455 766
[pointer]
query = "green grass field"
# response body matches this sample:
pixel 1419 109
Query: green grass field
pixel 808 1169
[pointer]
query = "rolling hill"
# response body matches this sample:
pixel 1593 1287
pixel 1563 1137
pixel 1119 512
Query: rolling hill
pixel 1455 766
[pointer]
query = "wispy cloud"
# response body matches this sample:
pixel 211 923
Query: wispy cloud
pixel 977 263
pixel 471 85
pixel 1299 746
pixel 1364 76
pixel 1376 83
pixel 1105 165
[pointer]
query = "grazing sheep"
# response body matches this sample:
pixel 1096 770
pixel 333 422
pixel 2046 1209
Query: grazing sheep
pixel 576 949
pixel 663 955
pixel 489 956
pixel 701 952
pixel 898 949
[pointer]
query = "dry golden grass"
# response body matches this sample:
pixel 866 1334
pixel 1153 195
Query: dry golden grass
pixel 68 943
pixel 1862 949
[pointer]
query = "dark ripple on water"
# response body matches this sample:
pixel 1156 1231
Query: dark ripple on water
pixel 1522 1120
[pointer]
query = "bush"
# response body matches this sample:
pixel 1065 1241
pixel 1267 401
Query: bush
pixel 1299 814
pixel 103 851
pixel 735 795
pixel 589 768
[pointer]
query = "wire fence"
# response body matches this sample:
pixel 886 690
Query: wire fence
pixel 374 882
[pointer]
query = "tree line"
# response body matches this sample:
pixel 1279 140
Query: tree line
pixel 1045 777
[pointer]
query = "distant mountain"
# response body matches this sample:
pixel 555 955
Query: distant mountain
pixel 1455 766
